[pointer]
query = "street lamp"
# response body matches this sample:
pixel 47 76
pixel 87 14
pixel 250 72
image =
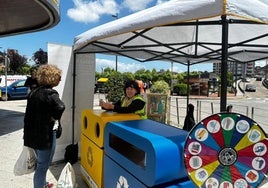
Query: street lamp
pixel 116 58
pixel 6 67
pixel 171 83
pixel 6 59
pixel 115 16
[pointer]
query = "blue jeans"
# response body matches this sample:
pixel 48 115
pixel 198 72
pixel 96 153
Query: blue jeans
pixel 44 159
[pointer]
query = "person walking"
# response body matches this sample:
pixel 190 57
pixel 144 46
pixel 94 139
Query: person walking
pixel 189 121
pixel 31 81
pixel 44 107
pixel 131 102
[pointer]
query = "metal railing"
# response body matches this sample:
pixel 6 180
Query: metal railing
pixel 176 110
pixel 206 107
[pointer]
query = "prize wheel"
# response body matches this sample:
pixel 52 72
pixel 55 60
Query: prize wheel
pixel 226 150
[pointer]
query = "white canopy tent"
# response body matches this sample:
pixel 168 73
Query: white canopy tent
pixel 186 32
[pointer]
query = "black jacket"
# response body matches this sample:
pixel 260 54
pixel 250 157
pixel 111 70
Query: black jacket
pixel 189 123
pixel 43 108
pixel 135 105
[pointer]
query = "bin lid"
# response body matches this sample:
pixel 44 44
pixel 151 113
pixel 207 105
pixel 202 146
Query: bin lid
pixel 102 79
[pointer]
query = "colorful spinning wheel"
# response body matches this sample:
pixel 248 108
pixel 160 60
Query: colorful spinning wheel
pixel 226 150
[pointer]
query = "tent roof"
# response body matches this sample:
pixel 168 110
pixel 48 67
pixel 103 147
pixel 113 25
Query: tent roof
pixel 23 16
pixel 184 31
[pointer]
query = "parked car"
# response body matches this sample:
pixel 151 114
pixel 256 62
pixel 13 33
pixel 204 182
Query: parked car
pixel 250 87
pixel 15 90
pixel 258 78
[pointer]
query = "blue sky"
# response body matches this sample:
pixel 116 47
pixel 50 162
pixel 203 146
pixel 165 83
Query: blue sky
pixel 78 16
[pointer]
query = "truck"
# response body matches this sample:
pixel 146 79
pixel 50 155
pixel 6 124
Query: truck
pixel 10 79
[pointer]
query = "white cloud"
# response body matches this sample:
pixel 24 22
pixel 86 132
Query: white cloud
pixel 121 67
pixel 178 69
pixel 125 65
pixel 136 5
pixel 90 11
pixel 104 63
pixel 161 1
pixel 132 67
pixel 86 11
pixel 261 63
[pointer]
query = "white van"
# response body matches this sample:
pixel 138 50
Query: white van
pixel 10 79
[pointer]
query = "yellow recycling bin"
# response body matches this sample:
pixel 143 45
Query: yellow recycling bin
pixel 93 123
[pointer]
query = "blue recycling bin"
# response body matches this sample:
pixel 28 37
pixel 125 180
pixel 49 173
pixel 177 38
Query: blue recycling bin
pixel 116 176
pixel 151 151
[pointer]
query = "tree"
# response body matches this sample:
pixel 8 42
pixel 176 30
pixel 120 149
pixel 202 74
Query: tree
pixel 160 87
pixel 180 77
pixel 154 75
pixel 180 89
pixel 166 76
pixel 115 85
pixel 143 75
pixel 25 69
pixel 230 78
pixel 40 57
pixel 16 61
pixel 2 58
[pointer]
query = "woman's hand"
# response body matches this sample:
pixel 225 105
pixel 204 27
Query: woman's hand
pixel 106 105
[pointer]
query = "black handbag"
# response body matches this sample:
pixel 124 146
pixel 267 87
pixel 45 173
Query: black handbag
pixel 71 153
pixel 59 130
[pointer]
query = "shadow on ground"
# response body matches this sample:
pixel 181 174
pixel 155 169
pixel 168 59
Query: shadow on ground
pixel 11 121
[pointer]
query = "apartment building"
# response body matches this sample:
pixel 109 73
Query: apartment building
pixel 239 70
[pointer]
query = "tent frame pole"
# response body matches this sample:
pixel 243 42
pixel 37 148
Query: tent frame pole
pixel 188 81
pixel 73 99
pixel 224 64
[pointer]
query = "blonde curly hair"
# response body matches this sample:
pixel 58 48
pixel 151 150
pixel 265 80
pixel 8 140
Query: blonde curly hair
pixel 48 75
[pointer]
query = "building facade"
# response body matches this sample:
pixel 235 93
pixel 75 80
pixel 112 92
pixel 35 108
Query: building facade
pixel 239 70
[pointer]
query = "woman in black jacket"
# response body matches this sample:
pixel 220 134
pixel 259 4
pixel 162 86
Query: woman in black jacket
pixel 189 121
pixel 44 107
